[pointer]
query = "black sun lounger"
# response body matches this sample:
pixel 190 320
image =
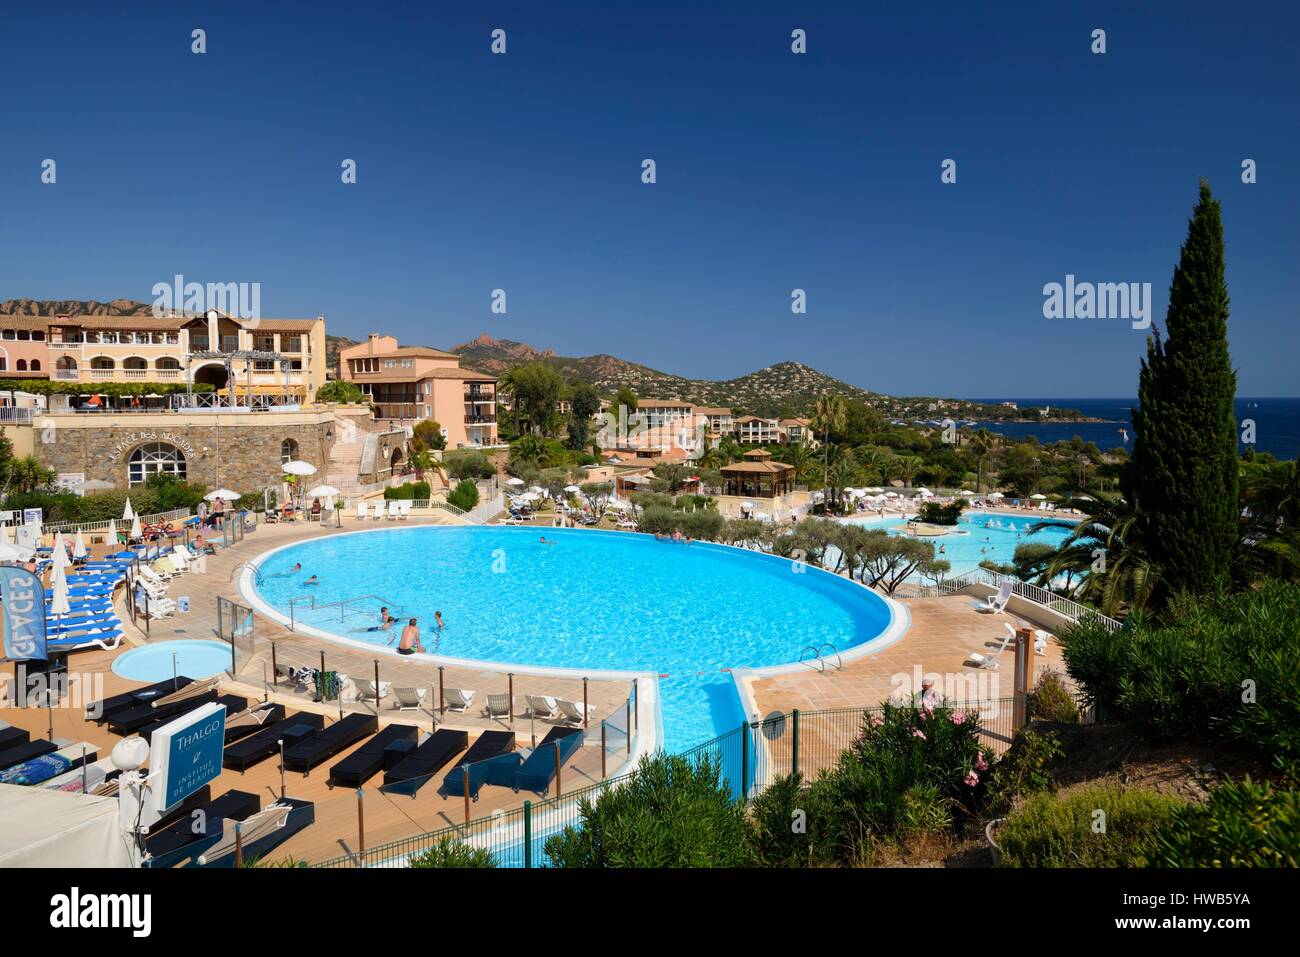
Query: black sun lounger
pixel 196 832
pixel 492 760
pixel 234 704
pixel 26 751
pixel 377 754
pixel 537 773
pixel 99 711
pixel 12 737
pixel 414 771
pixel 183 810
pixel 301 815
pixel 243 754
pixel 339 736
pixel 130 720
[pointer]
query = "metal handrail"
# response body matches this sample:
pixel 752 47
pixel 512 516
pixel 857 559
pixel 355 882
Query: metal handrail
pixel 820 658
pixel 341 605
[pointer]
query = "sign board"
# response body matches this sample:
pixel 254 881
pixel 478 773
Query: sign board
pixel 185 754
pixel 23 593
pixel 33 515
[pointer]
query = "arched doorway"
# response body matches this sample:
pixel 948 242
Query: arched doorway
pixel 395 461
pixel 155 458
pixel 213 375
pixel 288 451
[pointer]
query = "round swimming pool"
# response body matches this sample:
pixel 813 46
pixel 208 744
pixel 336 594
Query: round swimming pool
pixel 585 599
pixel 193 659
pixel 981 536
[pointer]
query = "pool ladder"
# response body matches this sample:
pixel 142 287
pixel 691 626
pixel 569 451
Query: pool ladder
pixel 820 658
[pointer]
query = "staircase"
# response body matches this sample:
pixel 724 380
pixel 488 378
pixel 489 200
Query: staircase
pixel 345 463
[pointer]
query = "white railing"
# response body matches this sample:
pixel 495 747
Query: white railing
pixel 8 414
pixel 1036 593
pixel 71 528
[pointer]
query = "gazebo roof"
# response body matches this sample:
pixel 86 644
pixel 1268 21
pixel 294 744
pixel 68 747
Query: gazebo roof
pixel 756 467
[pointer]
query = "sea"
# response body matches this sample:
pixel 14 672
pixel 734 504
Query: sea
pixel 1276 423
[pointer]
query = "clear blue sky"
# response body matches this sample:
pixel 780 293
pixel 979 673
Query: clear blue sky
pixel 775 171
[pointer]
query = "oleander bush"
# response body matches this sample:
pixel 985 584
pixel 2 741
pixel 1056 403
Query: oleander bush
pixel 1101 825
pixel 464 496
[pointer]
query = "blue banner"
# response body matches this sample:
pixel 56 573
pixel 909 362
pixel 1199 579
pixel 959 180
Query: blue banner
pixel 23 595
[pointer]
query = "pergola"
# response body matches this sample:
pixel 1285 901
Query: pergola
pixel 248 355
pixel 758 476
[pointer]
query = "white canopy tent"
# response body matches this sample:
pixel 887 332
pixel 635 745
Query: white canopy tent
pixel 46 828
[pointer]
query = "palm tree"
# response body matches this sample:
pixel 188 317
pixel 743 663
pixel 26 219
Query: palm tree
pixel 829 415
pixel 799 457
pixel 728 450
pixel 982 443
pixel 908 466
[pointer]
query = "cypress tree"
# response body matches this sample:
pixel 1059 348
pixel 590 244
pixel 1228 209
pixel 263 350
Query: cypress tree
pixel 1182 478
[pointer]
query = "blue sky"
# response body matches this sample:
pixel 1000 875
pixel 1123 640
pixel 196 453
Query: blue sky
pixel 775 172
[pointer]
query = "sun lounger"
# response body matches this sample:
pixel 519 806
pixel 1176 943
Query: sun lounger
pixel 498 706
pixel 18 753
pixel 11 737
pixel 308 753
pixel 538 770
pixel 51 764
pixel 85 778
pixel 241 724
pixel 129 699
pixel 539 706
pixel 409 699
pixel 234 705
pixel 572 711
pixel 129 721
pixel 492 760
pixel 260 833
pixel 377 512
pixel 458 699
pixel 996 603
pixel 382 752
pixel 414 771
pixel 990 662
pixel 404 508
pixel 365 688
pixel 392 510
pixel 199 831
pixel 243 754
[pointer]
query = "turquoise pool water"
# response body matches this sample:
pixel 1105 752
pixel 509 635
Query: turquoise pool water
pixel 596 600
pixel 194 659
pixel 982 536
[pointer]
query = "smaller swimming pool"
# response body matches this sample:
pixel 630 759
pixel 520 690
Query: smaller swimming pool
pixel 193 659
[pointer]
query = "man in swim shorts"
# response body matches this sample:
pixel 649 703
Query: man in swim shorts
pixel 410 641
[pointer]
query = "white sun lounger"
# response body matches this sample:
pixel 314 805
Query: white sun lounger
pixel 365 688
pixel 377 512
pixel 998 602
pixel 361 511
pixel 498 706
pixel 540 705
pixel 458 699
pixel 990 662
pixel 572 711
pixel 392 510
pixel 409 699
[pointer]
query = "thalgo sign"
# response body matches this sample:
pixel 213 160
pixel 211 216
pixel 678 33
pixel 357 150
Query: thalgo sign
pixel 132 439
pixel 186 754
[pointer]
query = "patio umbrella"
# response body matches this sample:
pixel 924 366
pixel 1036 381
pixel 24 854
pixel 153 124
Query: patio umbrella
pixel 60 554
pixel 572 489
pixel 514 481
pixel 996 495
pixel 136 531
pixel 1039 496
pixel 110 533
pixel 4 535
pixel 14 553
pixel 59 586
pixel 221 493
pixel 126 512
pixel 79 546
pixel 923 492
pixel 965 491
pixel 322 491
pixel 298 468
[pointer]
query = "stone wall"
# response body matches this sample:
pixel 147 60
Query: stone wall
pixel 242 452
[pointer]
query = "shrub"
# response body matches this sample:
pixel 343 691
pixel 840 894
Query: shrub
pixel 340 390
pixel 1244 824
pixel 785 824
pixel 932 513
pixel 464 496
pixel 671 812
pixel 450 852
pixel 1096 826
pixel 468 465
pixel 924 812
pixel 1024 769
pixel 1051 700
pixel 409 490
pixel 1222 664
pixel 907 763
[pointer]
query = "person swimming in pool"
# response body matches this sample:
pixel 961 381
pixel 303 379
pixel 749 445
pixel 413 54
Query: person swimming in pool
pixel 437 616
pixel 312 581
pixel 386 620
pixel 543 541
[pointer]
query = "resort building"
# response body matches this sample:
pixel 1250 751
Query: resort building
pixel 280 357
pixel 410 384
pixel 754 430
pixel 796 431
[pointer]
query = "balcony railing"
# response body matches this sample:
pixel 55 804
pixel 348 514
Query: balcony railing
pixel 67 375
pixel 473 396
pixel 480 419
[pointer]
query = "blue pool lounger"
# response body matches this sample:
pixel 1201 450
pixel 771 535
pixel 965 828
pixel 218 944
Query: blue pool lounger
pixel 537 773
pixel 492 760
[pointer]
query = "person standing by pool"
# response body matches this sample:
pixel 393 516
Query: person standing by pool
pixel 410 640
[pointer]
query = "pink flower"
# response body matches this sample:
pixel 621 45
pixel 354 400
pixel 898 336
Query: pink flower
pixel 925 711
pixel 918 733
pixel 972 779
pixel 958 717
pixel 877 720
pixel 981 763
